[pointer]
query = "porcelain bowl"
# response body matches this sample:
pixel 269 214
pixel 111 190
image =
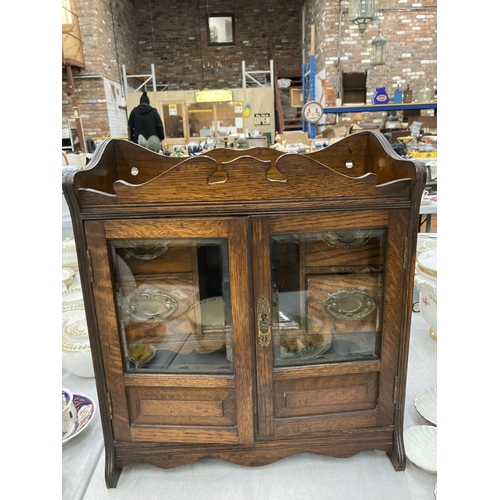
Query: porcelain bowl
pixel 425 242
pixel 426 282
pixel 426 265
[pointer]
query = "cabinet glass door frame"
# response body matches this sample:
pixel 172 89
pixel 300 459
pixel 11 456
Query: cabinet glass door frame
pixel 378 376
pixel 124 389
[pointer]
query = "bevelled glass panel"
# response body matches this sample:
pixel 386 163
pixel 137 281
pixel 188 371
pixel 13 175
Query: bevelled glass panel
pixel 173 303
pixel 327 290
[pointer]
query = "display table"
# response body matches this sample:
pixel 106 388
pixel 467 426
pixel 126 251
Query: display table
pixel 428 210
pixel 300 476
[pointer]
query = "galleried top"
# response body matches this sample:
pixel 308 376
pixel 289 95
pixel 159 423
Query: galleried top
pixel 359 169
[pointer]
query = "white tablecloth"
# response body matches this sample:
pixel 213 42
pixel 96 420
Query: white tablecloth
pixel 305 476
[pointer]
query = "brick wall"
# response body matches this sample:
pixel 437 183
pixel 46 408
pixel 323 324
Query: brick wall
pixel 172 35
pixel 109 40
pixel 410 29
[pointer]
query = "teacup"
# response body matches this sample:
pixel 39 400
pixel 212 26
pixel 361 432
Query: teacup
pixel 69 415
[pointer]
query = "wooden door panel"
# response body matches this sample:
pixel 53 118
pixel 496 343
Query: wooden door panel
pixel 183 406
pixel 321 396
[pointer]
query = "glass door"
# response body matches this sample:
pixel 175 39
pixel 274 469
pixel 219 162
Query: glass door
pixel 174 304
pixel 177 349
pixel 323 325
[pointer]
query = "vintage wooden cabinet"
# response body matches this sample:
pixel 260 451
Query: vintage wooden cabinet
pixel 248 305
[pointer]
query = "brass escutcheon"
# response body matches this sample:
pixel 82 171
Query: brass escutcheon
pixel 263 311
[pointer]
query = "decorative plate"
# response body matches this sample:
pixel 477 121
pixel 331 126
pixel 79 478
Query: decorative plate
pixel 350 304
pixel 152 307
pixel 347 239
pixel 85 409
pixel 421 447
pixel 426 405
pixel 140 354
pixel 208 312
pixel 154 249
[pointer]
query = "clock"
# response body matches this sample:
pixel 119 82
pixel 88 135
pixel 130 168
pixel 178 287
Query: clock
pixel 312 111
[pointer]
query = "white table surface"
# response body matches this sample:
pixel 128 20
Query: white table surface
pixel 367 475
pixel 429 208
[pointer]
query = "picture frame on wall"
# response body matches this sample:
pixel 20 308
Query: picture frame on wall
pixel 220 29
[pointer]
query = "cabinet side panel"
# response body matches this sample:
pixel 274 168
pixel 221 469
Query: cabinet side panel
pixel 393 314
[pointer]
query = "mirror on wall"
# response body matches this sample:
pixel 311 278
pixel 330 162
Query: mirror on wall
pixel 220 29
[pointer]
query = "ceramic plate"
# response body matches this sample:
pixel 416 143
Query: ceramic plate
pixel 85 409
pixel 208 312
pixel 426 405
pixel 421 447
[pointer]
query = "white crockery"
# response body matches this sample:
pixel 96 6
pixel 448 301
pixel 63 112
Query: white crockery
pixel 76 353
pixel 427 265
pixel 421 447
pixel 425 242
pixel 72 295
pixel 426 404
pixel 69 414
pixel 426 282
pixel 69 258
pixel 67 276
pixel 85 410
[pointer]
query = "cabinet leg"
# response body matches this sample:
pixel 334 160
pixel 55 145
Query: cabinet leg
pixel 112 472
pixel 397 454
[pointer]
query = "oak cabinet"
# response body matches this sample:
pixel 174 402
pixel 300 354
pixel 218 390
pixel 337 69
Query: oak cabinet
pixel 248 305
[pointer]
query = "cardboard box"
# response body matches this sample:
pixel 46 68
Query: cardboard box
pixel 255 142
pixel 354 88
pixel 428 122
pixel 295 137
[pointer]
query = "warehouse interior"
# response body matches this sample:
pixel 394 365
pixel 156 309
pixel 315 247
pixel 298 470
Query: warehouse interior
pixel 123 47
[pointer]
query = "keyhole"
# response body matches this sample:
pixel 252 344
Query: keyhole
pixel 264 324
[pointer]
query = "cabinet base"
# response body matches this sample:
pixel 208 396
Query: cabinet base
pixel 165 455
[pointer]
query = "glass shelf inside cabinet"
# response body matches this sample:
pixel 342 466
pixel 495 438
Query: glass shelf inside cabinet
pixel 173 302
pixel 327 292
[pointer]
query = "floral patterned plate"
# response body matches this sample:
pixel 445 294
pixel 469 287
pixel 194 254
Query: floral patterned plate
pixel 85 409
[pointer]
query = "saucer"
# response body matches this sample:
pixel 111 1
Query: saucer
pixel 85 409
pixel 426 404
pixel 421 446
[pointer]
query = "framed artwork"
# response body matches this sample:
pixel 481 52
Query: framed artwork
pixel 220 28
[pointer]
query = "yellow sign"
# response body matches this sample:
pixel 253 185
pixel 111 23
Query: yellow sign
pixel 214 96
